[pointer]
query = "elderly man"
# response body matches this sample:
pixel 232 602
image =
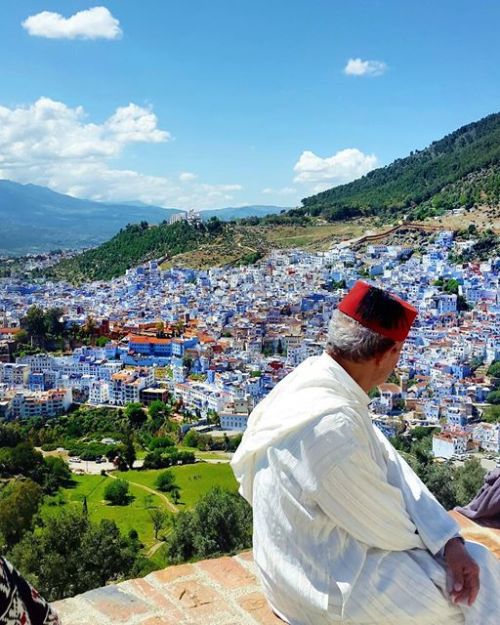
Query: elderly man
pixel 344 531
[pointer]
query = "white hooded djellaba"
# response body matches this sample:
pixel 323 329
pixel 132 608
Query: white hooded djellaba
pixel 344 530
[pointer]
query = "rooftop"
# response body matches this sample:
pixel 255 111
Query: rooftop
pixel 223 591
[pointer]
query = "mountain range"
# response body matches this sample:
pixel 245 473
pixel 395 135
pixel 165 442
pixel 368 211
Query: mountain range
pixel 36 219
pixel 460 171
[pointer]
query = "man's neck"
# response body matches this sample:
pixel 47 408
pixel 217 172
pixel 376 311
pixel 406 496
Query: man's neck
pixel 360 372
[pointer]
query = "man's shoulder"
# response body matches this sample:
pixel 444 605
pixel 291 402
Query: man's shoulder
pixel 334 436
pixel 341 419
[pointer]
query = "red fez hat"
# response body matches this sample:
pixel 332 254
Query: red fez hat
pixel 378 310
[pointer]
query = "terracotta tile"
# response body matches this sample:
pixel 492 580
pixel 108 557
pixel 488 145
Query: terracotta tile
pixel 159 620
pixel 154 597
pixel 227 572
pixel 256 605
pixel 200 603
pixel 173 573
pixel 470 530
pixel 117 605
pixel 462 520
pixel 246 555
pixel 72 613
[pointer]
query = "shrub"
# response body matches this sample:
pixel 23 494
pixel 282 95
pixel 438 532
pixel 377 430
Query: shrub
pixel 117 493
pixel 165 481
pixel 221 522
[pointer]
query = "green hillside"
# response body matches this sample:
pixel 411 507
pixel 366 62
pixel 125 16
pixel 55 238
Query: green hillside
pixel 199 245
pixel 461 169
pixel 133 245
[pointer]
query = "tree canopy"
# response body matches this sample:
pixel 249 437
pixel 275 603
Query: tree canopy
pixel 221 522
pixel 69 555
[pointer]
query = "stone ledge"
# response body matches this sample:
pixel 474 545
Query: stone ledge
pixel 472 531
pixel 223 591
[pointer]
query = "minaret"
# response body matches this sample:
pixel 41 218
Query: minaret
pixel 403 380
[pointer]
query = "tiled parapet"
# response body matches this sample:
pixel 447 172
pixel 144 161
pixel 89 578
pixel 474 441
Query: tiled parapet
pixel 472 531
pixel 222 591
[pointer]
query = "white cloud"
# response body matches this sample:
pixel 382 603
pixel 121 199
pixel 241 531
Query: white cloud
pixel 54 145
pixel 134 123
pixel 220 188
pixel 342 167
pixel 358 67
pixel 95 23
pixel 187 176
pixel 50 130
pixel 282 191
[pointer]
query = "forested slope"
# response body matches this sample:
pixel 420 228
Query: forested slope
pixel 458 170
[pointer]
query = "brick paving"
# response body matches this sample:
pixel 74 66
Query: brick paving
pixel 223 591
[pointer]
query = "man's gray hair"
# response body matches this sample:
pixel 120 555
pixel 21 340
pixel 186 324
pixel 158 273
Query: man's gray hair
pixel 350 340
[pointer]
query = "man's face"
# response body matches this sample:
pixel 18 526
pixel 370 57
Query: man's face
pixel 388 361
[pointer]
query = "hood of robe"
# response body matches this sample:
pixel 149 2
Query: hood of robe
pixel 316 388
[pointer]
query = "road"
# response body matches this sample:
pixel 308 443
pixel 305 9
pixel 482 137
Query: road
pixel 94 468
pixel 489 465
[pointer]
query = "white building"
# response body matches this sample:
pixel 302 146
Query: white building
pixel 99 392
pixel 233 421
pixel 448 444
pixel 25 404
pixel 126 385
pixel 487 435
pixel 14 374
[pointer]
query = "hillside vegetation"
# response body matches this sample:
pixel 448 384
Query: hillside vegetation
pixel 197 245
pixel 132 246
pixel 461 169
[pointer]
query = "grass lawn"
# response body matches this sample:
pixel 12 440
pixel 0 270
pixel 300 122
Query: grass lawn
pixel 207 455
pixel 135 515
pixel 194 480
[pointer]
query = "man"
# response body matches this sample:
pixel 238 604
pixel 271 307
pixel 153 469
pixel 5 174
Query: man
pixel 344 531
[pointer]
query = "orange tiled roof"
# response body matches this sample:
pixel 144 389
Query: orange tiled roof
pixel 205 338
pixel 390 387
pixel 149 339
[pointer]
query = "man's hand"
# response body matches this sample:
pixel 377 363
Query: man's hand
pixel 463 572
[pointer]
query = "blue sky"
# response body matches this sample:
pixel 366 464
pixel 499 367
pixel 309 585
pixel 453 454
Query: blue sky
pixel 205 104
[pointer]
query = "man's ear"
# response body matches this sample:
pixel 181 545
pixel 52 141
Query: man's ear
pixel 377 359
pixel 388 352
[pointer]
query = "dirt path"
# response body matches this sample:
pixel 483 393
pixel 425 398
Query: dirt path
pixel 168 503
pixel 152 550
pixel 375 236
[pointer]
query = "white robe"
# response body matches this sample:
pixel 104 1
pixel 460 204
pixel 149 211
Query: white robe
pixel 344 531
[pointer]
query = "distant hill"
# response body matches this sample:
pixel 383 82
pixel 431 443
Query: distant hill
pixel 462 169
pixel 227 214
pixel 36 219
